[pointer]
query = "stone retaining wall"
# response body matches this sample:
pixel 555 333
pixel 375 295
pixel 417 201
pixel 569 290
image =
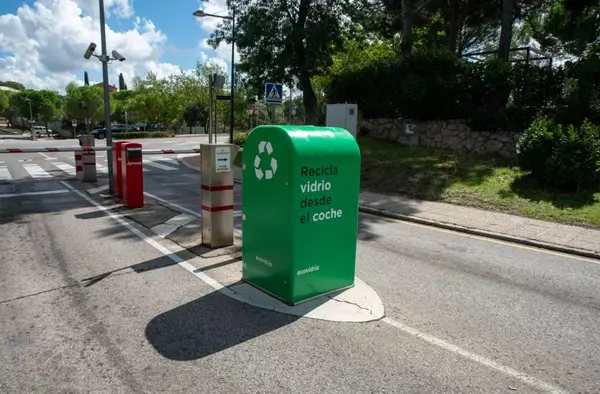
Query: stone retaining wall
pixel 452 134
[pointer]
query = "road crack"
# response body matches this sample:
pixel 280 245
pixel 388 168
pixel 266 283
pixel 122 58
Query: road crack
pixel 352 303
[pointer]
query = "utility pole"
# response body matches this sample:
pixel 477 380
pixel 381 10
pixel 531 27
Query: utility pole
pixel 104 60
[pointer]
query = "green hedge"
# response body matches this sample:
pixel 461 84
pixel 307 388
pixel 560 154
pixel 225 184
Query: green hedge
pixel 566 157
pixel 493 95
pixel 142 134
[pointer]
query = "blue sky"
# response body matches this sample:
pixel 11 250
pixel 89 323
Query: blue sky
pixel 42 41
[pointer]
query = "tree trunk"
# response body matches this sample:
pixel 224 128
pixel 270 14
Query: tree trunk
pixel 309 99
pixel 46 124
pixel 406 27
pixel 453 26
pixel 505 30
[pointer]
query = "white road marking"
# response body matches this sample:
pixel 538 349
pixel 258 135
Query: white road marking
pixel 523 377
pixel 160 166
pixel 5 174
pixel 36 171
pixel 60 191
pixel 193 213
pixel 166 228
pixel 178 260
pixel 101 168
pixel 165 159
pixel 97 189
pixel 47 157
pixel 69 169
pixel 25 160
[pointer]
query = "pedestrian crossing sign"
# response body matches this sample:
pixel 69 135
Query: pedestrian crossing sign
pixel 273 93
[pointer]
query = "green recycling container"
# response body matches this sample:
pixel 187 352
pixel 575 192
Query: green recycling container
pixel 300 210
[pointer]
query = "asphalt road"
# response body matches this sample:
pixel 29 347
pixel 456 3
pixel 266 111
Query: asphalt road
pixel 457 308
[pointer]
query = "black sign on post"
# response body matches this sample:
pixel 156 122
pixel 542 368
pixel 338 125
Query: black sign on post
pixel 221 97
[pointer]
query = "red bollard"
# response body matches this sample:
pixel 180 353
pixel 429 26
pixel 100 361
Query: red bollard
pixel 118 169
pixel 132 168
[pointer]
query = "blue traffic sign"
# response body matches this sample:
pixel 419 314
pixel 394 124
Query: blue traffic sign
pixel 273 93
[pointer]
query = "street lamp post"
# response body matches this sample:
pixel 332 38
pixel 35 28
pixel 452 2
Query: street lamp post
pixel 202 14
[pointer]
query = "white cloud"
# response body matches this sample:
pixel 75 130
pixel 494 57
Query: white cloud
pixel 121 8
pixel 45 43
pixel 223 51
pixel 215 7
pixel 209 25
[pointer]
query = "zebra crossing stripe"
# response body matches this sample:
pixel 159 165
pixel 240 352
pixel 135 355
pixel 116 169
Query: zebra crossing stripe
pixel 5 174
pixel 160 166
pixel 165 159
pixel 69 169
pixel 36 171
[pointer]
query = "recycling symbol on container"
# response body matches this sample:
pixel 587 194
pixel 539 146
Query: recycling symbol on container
pixel 267 174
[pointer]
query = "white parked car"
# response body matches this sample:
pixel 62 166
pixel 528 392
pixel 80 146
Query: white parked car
pixel 41 129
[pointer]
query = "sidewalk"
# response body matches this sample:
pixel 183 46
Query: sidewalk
pixel 548 235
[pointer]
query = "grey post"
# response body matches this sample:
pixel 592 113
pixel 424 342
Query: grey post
pixel 104 60
pixel 232 71
pixel 210 107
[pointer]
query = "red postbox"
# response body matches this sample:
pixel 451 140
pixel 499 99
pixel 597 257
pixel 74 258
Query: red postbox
pixel 118 169
pixel 132 168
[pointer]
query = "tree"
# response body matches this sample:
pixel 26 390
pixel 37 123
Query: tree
pixel 13 85
pixel 3 101
pixel 122 85
pixel 86 79
pixel 284 40
pixel 50 107
pixel 29 103
pixel 568 27
pixel 506 24
pixel 12 110
pixel 85 102
pixel 194 114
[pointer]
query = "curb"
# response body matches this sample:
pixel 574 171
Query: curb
pixel 481 233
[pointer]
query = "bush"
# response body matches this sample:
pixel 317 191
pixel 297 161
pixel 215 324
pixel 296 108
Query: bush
pixel 566 157
pixel 239 138
pixel 141 134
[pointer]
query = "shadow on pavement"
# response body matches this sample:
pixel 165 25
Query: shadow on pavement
pixel 365 227
pixel 149 265
pixel 210 325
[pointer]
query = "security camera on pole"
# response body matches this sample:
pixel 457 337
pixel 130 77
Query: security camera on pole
pixel 104 58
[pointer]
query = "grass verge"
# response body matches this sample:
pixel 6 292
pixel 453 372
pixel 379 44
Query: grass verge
pixel 467 179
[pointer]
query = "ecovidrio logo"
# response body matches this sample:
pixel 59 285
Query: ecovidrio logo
pixel 265 146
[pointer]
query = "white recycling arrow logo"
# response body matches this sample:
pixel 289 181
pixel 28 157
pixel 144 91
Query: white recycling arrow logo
pixel 268 174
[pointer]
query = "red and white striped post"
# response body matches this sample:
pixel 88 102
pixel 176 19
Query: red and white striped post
pixel 78 166
pixel 89 166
